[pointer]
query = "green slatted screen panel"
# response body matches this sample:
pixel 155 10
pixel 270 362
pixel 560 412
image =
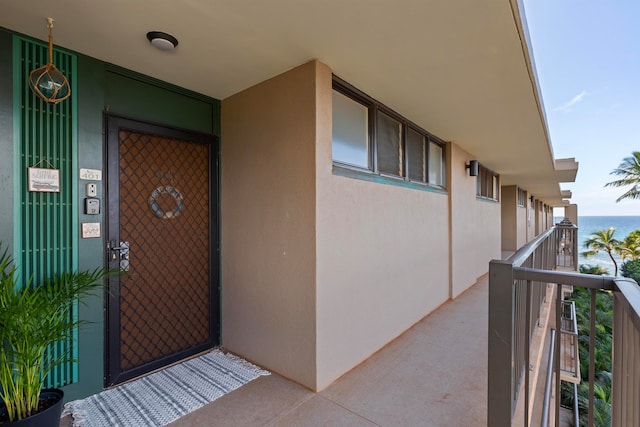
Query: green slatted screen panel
pixel 46 223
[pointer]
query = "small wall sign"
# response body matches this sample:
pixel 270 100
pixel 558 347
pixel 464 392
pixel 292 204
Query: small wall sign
pixel 91 174
pixel 90 230
pixel 44 180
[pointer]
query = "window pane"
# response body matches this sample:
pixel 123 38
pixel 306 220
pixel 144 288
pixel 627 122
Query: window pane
pixel 482 176
pixel 389 147
pixel 436 164
pixel 350 131
pixel 416 154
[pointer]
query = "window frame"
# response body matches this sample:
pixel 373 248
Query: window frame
pixel 521 198
pixel 487 184
pixel 372 172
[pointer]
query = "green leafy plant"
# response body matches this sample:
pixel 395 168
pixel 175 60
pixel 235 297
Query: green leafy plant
pixel 597 270
pixel 631 269
pixel 32 317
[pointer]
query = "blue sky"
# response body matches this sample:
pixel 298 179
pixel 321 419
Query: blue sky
pixel 587 57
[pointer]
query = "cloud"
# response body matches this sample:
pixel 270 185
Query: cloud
pixel 566 107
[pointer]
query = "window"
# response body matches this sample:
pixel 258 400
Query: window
pixel 488 184
pixel 417 154
pixel 350 131
pixel 390 158
pixel 371 139
pixel 436 164
pixel 522 198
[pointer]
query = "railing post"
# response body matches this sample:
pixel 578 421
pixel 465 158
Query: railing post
pixel 576 267
pixel 500 351
pixel 626 354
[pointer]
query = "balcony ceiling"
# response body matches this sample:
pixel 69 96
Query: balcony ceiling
pixel 459 68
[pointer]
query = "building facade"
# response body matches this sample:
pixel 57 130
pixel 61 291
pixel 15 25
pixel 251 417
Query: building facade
pixel 303 218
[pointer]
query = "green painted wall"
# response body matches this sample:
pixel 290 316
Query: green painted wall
pixel 101 87
pixel 91 76
pixel 6 141
pixel 136 96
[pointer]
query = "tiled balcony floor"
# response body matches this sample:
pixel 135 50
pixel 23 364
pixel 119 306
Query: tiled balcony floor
pixel 435 374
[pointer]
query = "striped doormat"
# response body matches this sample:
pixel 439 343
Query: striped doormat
pixel 162 397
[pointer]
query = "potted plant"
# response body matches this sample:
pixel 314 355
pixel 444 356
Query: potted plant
pixel 32 317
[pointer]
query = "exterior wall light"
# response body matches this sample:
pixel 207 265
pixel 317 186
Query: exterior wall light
pixel 473 168
pixel 161 40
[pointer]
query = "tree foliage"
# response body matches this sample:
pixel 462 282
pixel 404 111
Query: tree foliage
pixel 630 247
pixel 629 176
pixel 631 269
pixel 603 240
pixel 597 270
pixel 602 352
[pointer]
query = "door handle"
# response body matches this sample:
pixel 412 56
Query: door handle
pixel 123 255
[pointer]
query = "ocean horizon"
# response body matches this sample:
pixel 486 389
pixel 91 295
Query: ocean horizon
pixel 588 224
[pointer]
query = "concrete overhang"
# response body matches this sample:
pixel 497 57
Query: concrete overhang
pixel 545 184
pixel 461 69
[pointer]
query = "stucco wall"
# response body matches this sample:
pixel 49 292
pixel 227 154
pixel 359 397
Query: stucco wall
pixel 514 219
pixel 319 270
pixel 382 257
pixel 539 215
pixel 571 212
pixel 521 220
pixel 268 224
pixel 475 226
pixel 531 219
pixel 508 206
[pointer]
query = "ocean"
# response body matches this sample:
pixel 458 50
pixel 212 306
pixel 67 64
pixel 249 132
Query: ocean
pixel 589 224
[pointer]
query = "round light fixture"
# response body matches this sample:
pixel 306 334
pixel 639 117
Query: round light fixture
pixel 162 41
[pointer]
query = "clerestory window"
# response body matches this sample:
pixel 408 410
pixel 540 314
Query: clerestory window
pixel 369 137
pixel 488 184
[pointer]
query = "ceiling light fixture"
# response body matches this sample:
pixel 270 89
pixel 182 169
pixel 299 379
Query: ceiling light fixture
pixel 161 40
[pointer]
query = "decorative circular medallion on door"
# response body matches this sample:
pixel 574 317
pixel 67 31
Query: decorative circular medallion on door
pixel 155 205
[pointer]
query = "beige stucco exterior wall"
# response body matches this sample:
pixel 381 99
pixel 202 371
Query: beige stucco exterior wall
pixel 531 219
pixel 475 225
pixel 268 224
pixel 571 212
pixel 522 228
pixel 508 205
pixel 514 219
pixel 538 217
pixel 319 270
pixel 383 257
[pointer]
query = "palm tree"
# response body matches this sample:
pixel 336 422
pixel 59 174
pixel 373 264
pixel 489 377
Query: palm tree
pixel 630 247
pixel 603 240
pixel 629 171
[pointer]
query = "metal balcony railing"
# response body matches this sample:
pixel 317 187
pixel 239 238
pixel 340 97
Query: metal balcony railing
pixel 516 295
pixel 569 354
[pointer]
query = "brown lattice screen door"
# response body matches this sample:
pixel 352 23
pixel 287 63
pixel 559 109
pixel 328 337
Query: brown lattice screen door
pixel 162 234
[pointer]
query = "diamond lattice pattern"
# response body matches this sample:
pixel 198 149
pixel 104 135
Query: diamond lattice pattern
pixel 164 215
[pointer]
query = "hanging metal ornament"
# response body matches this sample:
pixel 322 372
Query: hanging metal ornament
pixel 48 82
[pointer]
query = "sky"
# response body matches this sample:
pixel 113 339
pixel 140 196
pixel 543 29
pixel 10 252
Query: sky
pixel 587 57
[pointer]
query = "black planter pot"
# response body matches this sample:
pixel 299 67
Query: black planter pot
pixel 50 417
